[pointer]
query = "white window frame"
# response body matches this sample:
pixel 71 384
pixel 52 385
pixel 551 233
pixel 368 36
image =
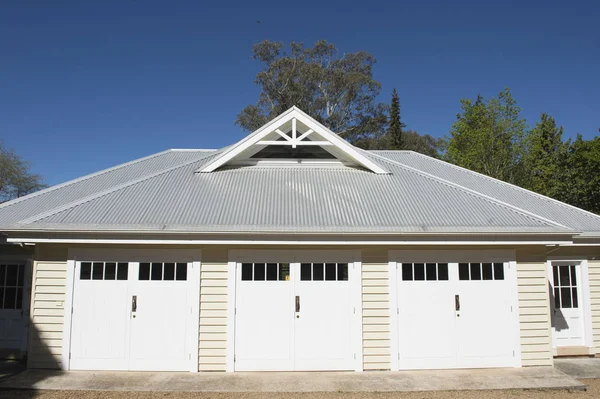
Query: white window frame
pixel 296 256
pixel 75 255
pixel 452 257
pixel 588 332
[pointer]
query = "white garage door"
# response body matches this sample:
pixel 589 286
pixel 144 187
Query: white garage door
pixel 294 316
pixel 133 316
pixel 456 315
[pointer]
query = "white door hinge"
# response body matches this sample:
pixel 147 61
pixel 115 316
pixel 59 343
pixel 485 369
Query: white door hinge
pixel 355 356
pixel 397 310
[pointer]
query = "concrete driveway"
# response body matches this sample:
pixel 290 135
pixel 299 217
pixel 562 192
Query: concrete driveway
pixel 579 368
pixel 298 382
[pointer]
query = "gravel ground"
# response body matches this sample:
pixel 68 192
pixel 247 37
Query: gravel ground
pixel 593 391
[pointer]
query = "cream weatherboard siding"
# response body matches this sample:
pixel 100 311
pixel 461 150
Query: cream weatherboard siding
pixel 534 314
pixel 594 276
pixel 213 311
pixel 47 314
pixel 376 310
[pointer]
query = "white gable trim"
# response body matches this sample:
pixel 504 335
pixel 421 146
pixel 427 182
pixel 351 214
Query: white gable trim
pixel 293 114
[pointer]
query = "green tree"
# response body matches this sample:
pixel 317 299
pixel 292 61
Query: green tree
pixel 338 91
pixel 396 126
pixel 544 153
pixel 487 137
pixel 579 184
pixel 424 144
pixel 16 180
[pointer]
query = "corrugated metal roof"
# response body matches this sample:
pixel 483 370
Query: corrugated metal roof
pixel 163 193
pixel 59 195
pixel 567 215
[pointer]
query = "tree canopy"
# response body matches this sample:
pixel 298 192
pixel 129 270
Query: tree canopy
pixel 544 153
pixel 16 180
pixel 487 137
pixel 396 126
pixel 337 90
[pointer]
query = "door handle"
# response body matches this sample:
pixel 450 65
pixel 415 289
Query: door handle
pixel 134 303
pixel 297 304
pixel 457 303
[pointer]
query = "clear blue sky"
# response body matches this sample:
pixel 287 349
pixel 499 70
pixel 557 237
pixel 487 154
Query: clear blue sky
pixel 86 85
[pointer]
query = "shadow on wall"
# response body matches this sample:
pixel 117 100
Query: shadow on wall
pixel 557 318
pixel 25 374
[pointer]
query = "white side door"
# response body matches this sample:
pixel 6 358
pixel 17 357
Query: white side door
pixel 323 317
pixel 13 320
pixel 567 310
pixel 484 321
pixel 160 317
pixel 264 317
pixel 426 317
pixel 100 321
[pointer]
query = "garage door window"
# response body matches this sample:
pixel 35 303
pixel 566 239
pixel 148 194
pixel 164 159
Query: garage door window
pixel 481 271
pixel 424 271
pixel 324 272
pixel 265 271
pixel 158 271
pixel 11 286
pixel 103 271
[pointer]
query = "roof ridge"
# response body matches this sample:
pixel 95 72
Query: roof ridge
pixel 100 194
pixel 82 178
pixel 468 190
pixel 513 186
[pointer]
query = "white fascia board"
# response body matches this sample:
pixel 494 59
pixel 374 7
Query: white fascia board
pixel 246 142
pixel 271 242
pixel 319 129
pixel 340 143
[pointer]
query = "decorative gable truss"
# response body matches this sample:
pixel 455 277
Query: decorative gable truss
pixel 290 139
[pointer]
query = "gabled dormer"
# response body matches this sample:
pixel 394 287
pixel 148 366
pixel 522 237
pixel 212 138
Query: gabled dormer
pixel 293 138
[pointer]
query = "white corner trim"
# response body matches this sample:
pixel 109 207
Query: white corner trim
pixel 195 317
pixel 68 306
pixel 393 289
pixel 231 280
pixel 357 301
pixel 514 294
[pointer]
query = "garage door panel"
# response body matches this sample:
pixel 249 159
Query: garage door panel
pixel 485 323
pixel 100 332
pixel 162 309
pixel 464 320
pixel 301 320
pixel 264 318
pixel 130 316
pixel 325 305
pixel 426 322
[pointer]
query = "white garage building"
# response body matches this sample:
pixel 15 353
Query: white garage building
pixel 293 250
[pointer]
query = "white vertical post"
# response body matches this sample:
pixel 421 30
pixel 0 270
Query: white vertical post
pixel 294 132
pixel 231 281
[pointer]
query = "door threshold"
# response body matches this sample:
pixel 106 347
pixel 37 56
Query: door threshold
pixel 573 351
